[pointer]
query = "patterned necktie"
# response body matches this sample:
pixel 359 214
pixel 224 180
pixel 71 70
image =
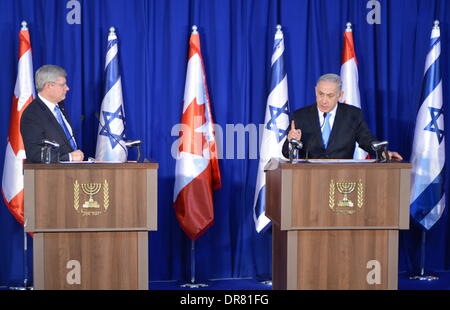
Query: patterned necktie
pixel 326 129
pixel 64 127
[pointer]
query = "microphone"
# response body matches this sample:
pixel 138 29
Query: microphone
pixel 49 151
pixel 137 144
pixel 376 145
pixel 324 119
pixel 132 143
pixel 380 147
pixel 296 144
pixel 52 144
pixel 295 147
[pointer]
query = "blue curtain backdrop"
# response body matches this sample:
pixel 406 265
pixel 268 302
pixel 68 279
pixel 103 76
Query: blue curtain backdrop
pixel 237 40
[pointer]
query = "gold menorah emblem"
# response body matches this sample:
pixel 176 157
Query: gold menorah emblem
pixel 91 189
pixel 345 188
pixel 346 206
pixel 90 207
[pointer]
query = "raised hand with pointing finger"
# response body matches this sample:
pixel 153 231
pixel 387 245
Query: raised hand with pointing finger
pixel 294 133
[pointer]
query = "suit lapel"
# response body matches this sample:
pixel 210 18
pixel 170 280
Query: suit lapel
pixel 54 123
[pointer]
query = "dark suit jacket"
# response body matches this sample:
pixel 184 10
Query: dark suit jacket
pixel 348 127
pixel 38 123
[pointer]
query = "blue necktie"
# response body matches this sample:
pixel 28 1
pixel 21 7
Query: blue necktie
pixel 326 129
pixel 64 127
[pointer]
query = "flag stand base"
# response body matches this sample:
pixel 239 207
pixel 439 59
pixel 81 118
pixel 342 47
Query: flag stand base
pixel 424 278
pixel 21 288
pixel 192 284
pixel 25 286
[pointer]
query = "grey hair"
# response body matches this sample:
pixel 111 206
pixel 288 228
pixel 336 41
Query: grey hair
pixel 331 77
pixel 47 74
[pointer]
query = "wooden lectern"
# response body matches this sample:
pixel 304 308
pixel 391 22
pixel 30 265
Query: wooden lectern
pixel 335 224
pixel 90 223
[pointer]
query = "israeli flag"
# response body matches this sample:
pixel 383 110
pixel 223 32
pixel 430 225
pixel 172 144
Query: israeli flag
pixel 428 154
pixel 276 124
pixel 111 131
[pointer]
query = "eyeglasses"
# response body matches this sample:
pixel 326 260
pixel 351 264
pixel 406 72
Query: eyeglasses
pixel 60 84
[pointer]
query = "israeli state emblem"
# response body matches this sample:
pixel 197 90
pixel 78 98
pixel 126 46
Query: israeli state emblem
pixel 345 205
pixel 90 207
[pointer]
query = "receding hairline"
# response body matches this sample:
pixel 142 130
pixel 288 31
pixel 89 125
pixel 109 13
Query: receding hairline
pixel 331 77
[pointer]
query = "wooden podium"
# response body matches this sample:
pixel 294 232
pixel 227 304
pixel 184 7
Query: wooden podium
pixel 335 225
pixel 90 224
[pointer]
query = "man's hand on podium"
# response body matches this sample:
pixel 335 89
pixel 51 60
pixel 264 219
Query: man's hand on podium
pixel 77 155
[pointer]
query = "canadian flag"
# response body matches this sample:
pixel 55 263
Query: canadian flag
pixel 12 181
pixel 349 77
pixel 197 171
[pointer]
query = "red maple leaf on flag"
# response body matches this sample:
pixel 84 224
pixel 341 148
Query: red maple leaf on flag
pixel 192 134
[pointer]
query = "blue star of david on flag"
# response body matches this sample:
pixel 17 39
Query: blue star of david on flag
pixel 275 112
pixel 107 129
pixel 433 126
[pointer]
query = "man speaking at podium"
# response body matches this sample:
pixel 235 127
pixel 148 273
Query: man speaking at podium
pixel 329 129
pixel 45 120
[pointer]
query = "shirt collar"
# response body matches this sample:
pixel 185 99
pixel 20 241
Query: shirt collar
pixel 332 112
pixel 48 103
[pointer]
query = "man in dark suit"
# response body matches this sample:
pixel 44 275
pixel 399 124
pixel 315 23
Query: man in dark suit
pixel 329 129
pixel 45 119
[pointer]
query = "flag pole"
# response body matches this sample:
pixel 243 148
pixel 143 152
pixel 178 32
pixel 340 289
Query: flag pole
pixel 192 262
pixel 422 276
pixel 25 264
pixel 193 284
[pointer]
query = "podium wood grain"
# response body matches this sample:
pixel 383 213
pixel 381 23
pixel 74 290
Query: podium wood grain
pixel 49 203
pixel 107 260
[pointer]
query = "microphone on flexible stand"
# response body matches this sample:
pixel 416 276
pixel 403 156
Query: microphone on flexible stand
pixel 47 147
pixel 381 148
pixel 376 145
pixel 134 143
pixel 296 146
pixel 53 144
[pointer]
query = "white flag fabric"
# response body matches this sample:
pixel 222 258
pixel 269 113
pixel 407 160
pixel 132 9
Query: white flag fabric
pixel 349 77
pixel 428 153
pixel 276 124
pixel 24 94
pixel 111 130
